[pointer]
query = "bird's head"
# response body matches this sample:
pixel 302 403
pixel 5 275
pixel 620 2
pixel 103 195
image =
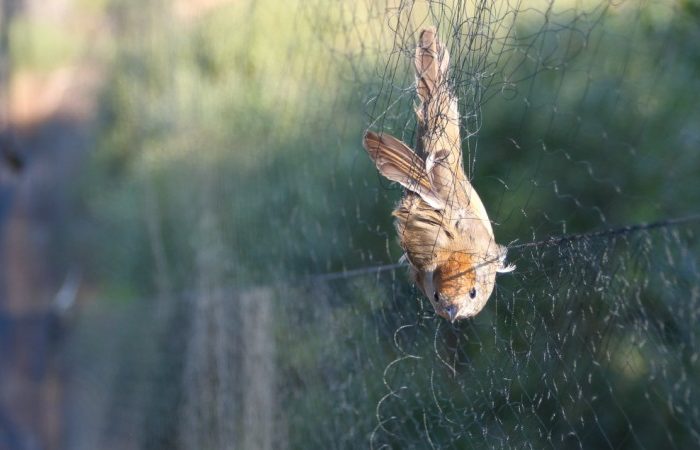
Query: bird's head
pixel 460 287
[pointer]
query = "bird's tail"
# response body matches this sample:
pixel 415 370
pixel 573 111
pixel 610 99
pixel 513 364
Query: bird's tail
pixel 438 116
pixel 431 62
pixel 397 162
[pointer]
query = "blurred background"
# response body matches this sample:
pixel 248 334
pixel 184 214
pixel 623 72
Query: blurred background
pixel 184 201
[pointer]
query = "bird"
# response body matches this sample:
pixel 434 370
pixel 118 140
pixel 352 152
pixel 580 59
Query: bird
pixel 442 224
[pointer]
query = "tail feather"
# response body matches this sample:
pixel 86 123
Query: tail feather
pixel 397 162
pixel 438 117
pixel 431 62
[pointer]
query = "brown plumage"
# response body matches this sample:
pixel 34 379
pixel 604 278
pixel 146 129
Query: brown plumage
pixel 441 222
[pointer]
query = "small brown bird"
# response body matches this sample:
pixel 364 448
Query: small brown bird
pixel 441 222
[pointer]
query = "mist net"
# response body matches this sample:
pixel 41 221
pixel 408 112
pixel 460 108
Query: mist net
pixel 274 313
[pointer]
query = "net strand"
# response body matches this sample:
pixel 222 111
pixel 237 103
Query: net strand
pixel 554 241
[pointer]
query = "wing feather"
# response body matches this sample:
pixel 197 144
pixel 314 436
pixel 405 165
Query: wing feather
pixel 397 162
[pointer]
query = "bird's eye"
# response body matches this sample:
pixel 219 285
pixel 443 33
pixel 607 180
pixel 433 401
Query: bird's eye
pixel 436 297
pixel 472 293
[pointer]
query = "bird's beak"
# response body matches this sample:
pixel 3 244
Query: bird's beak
pixel 452 311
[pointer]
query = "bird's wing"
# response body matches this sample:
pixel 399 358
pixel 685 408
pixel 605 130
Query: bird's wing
pixel 397 162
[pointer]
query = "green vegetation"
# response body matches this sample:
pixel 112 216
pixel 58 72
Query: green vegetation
pixel 39 46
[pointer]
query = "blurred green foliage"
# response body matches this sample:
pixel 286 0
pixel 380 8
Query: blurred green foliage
pixel 231 118
pixel 42 46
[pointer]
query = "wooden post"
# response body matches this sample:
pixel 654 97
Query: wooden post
pixel 230 378
pixel 259 377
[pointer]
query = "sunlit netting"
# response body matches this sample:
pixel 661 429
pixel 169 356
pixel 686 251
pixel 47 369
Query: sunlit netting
pixel 267 325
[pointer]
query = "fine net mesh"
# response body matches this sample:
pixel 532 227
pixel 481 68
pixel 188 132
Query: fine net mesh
pixel 233 230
